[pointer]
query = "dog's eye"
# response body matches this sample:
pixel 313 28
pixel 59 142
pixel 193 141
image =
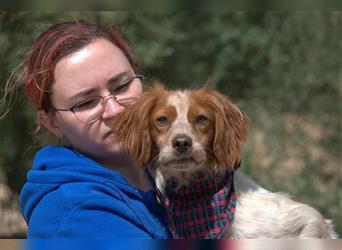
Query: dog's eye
pixel 201 119
pixel 162 120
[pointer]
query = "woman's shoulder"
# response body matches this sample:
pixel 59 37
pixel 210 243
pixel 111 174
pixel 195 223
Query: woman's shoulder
pixel 79 196
pixel 90 210
pixel 63 196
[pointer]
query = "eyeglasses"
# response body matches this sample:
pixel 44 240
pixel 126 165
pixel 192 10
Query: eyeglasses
pixel 91 108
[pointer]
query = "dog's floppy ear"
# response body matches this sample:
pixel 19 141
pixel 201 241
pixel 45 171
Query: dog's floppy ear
pixel 231 129
pixel 131 126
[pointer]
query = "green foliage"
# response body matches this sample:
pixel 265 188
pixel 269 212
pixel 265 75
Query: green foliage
pixel 282 69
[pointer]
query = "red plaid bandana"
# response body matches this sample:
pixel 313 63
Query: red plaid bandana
pixel 204 209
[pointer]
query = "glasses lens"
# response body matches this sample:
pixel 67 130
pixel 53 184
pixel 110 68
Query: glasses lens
pixel 126 101
pixel 89 109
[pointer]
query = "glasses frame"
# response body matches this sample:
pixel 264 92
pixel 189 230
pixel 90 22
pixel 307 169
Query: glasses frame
pixel 103 101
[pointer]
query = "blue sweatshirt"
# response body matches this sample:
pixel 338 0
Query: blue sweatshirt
pixel 68 195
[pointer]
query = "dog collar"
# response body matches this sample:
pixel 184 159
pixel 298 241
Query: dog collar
pixel 204 209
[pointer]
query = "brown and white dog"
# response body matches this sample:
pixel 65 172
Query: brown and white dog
pixel 182 136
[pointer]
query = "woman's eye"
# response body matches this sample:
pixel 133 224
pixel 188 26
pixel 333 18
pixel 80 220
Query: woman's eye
pixel 122 87
pixel 201 119
pixel 162 120
pixel 86 104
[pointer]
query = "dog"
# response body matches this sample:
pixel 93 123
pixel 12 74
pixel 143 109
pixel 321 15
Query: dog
pixel 190 141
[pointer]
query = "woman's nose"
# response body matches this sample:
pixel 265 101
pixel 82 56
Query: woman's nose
pixel 111 108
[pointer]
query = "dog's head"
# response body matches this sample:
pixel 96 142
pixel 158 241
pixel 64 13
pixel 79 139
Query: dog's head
pixel 177 133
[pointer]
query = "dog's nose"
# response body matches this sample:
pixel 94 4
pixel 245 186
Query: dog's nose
pixel 181 143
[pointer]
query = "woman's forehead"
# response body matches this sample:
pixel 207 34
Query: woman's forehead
pixel 93 65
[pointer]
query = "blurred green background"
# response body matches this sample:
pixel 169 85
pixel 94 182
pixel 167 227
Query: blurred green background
pixel 282 69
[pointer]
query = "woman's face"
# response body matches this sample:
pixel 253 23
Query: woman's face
pixel 98 69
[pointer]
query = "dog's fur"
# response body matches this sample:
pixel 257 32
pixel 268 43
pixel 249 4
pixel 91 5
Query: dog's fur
pixel 211 131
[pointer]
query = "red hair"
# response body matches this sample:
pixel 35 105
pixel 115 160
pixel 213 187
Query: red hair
pixel 57 42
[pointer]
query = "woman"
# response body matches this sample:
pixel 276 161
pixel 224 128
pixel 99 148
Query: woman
pixel 79 76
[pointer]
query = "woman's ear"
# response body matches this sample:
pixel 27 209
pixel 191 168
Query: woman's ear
pixel 50 123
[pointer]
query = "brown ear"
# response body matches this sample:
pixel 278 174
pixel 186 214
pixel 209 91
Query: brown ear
pixel 131 126
pixel 231 129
